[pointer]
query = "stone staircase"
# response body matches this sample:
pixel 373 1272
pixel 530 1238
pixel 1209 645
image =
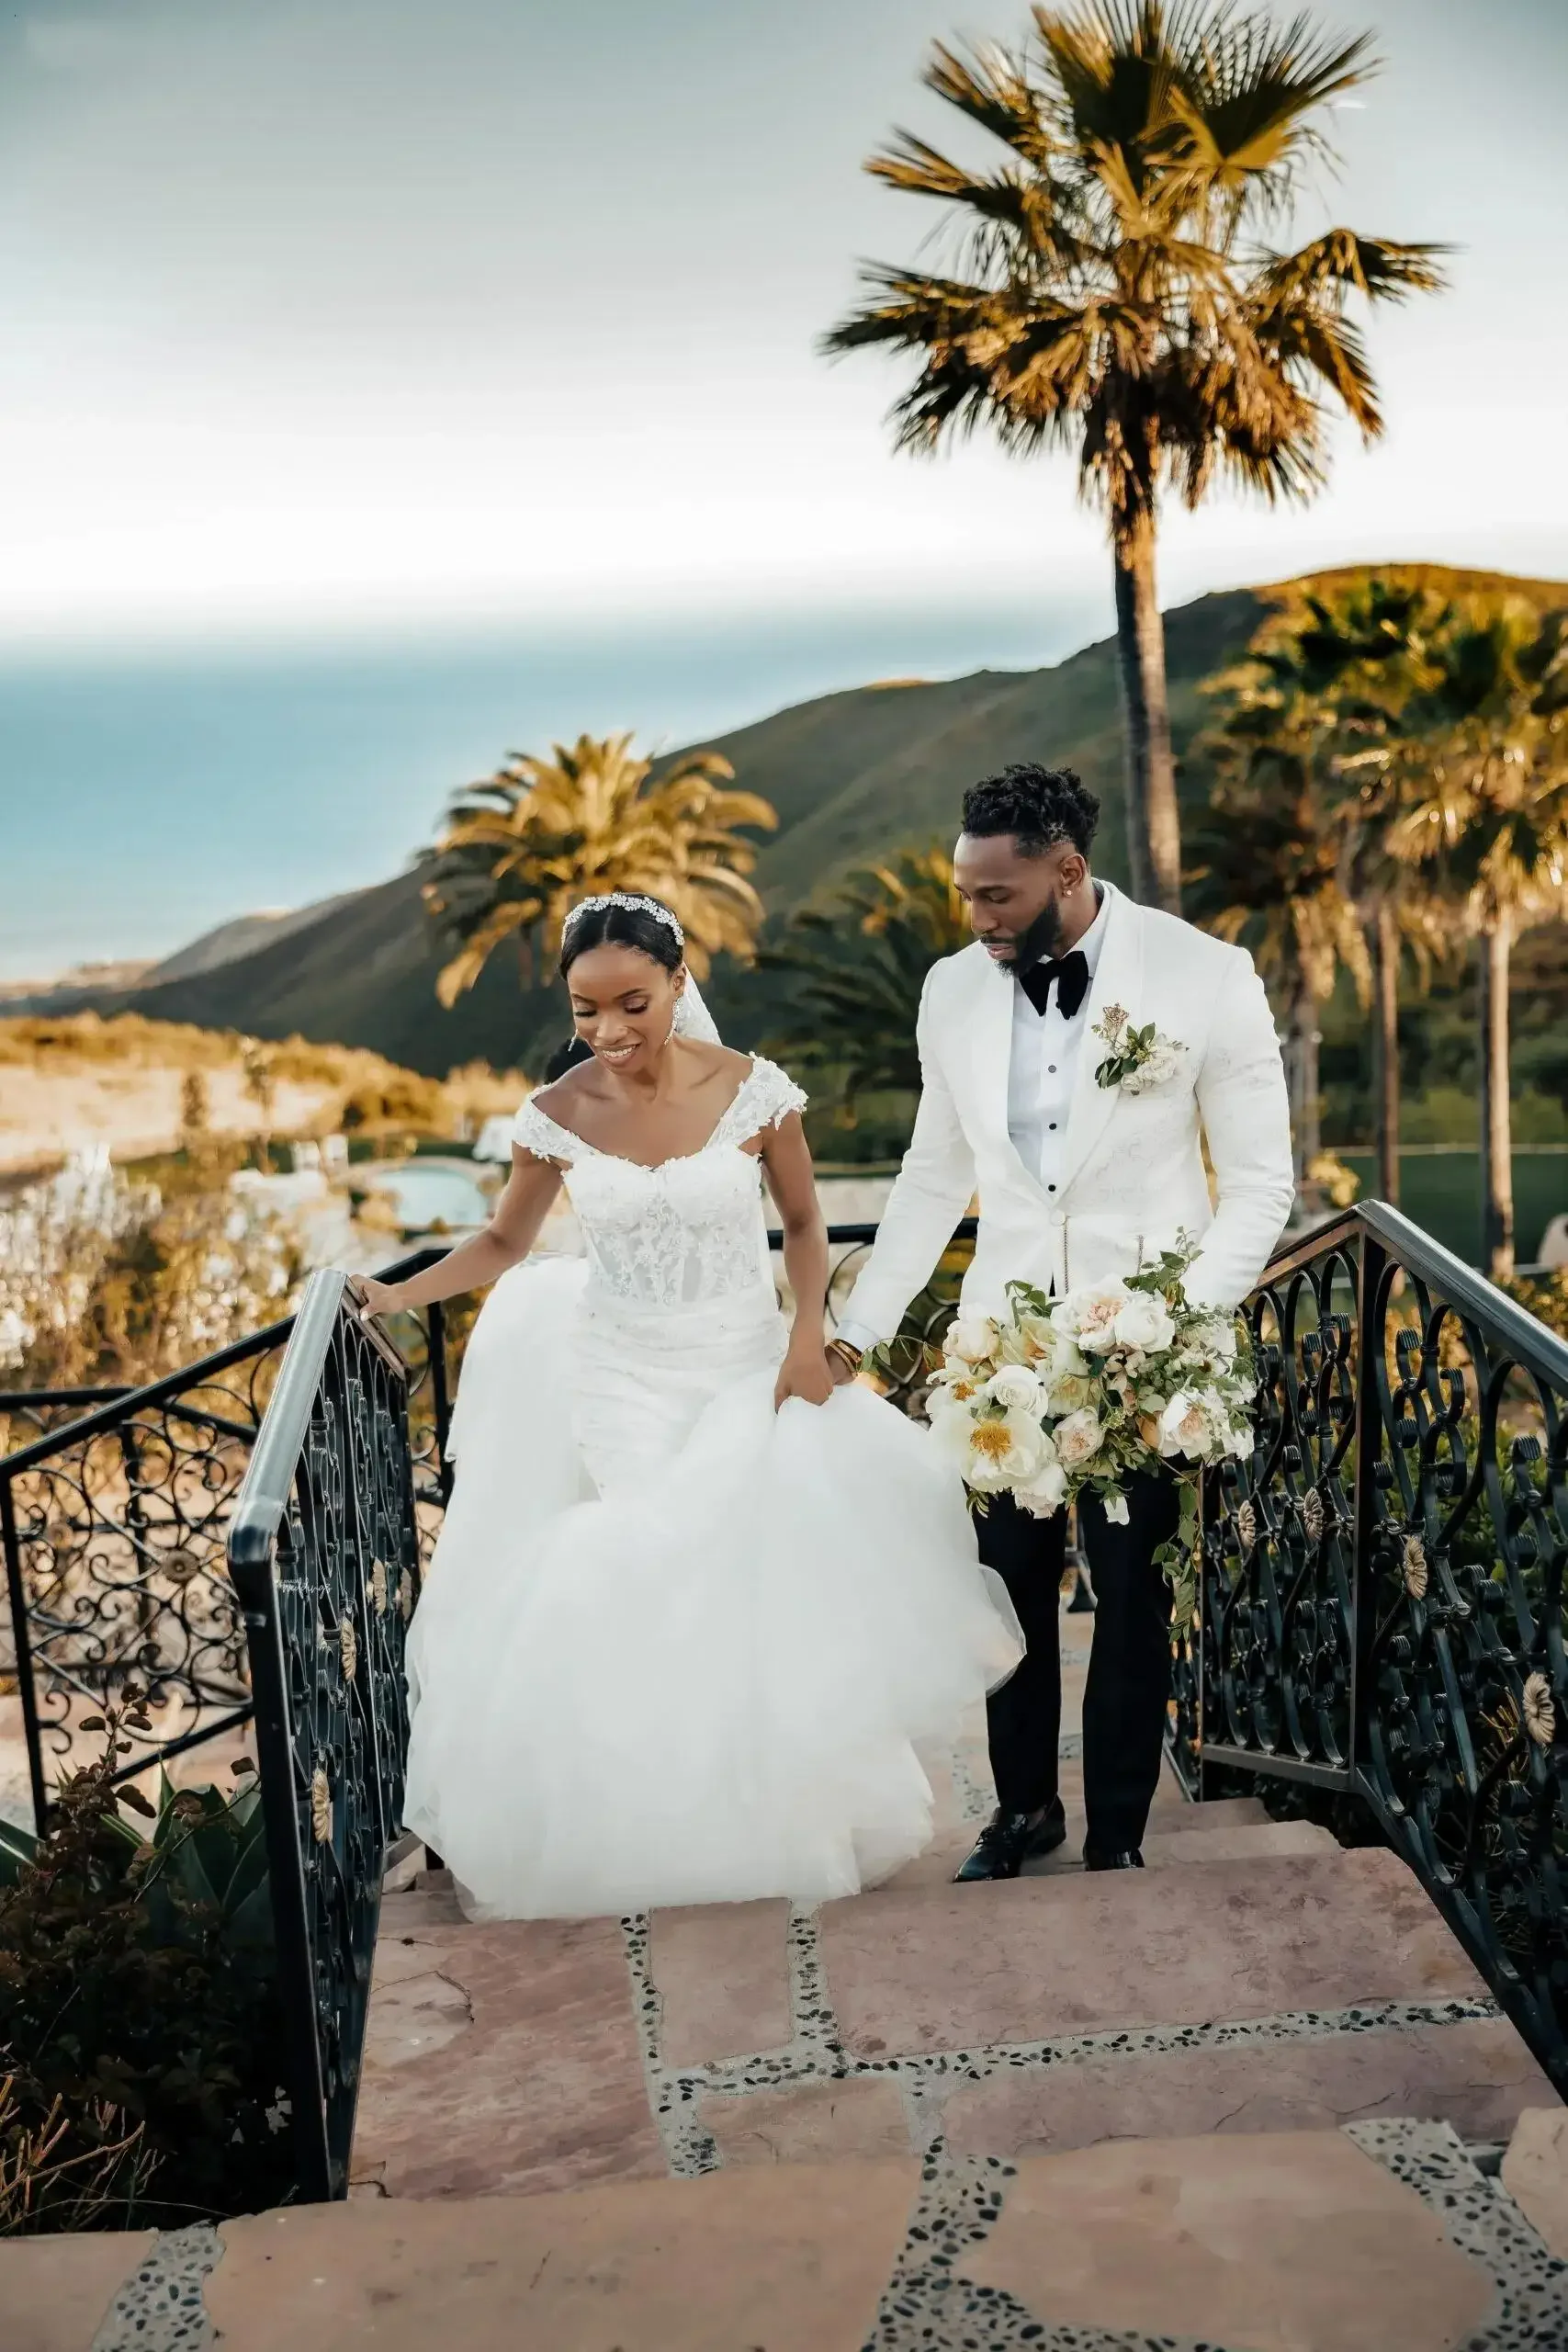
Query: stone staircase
pixel 1252 2100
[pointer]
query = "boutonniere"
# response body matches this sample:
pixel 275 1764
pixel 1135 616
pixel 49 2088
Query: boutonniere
pixel 1135 1059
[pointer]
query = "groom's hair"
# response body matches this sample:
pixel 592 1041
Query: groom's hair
pixel 1040 807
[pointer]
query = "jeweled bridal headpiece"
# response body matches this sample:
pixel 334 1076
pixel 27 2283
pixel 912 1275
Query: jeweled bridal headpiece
pixel 633 899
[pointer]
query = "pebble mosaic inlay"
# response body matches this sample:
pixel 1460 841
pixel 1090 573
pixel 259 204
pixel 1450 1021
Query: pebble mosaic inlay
pixel 161 2306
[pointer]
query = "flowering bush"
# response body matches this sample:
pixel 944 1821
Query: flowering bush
pixel 1079 1393
pixel 102 1278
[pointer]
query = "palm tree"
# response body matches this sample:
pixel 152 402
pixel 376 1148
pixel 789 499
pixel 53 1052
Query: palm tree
pixel 1114 292
pixel 859 961
pixel 520 849
pixel 1267 870
pixel 1485 821
pixel 1340 670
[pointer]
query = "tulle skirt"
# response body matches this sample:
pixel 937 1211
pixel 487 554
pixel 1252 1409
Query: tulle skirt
pixel 676 1647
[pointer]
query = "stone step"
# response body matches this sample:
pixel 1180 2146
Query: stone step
pixel 1077 1953
pixel 1384 2240
pixel 1272 1991
pixel 1178 1832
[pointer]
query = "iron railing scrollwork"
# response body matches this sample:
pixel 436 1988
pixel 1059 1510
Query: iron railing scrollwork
pixel 1381 1598
pixel 114 1506
pixel 324 1552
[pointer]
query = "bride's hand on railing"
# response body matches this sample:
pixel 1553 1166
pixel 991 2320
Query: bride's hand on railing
pixel 803 1373
pixel 376 1298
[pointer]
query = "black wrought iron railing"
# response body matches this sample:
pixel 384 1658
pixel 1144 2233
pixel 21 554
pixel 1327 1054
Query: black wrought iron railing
pixel 115 1508
pixel 1382 1600
pixel 324 1552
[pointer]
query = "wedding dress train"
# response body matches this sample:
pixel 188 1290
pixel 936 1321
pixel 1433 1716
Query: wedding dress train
pixel 674 1647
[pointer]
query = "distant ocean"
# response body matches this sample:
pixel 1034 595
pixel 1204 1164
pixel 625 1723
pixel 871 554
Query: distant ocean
pixel 145 797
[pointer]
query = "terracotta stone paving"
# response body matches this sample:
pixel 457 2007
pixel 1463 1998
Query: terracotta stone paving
pixel 1231 2247
pixel 543 2089
pixel 1250 2099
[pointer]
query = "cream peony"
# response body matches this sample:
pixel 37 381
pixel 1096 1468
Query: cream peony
pixel 1163 1061
pixel 971 1338
pixel 1145 1322
pixel 1002 1450
pixel 1078 1438
pixel 1045 1494
pixel 1088 1317
pixel 1189 1423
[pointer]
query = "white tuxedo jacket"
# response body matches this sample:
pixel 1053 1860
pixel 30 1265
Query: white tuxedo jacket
pixel 1131 1176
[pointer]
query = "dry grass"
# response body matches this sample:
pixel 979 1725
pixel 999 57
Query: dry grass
pixel 68 1084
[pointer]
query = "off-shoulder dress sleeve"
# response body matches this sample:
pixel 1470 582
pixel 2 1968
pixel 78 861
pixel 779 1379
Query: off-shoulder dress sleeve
pixel 536 1132
pixel 767 1098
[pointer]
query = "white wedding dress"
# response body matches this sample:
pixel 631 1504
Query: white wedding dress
pixel 674 1647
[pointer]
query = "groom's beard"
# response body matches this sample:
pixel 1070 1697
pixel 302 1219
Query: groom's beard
pixel 1043 938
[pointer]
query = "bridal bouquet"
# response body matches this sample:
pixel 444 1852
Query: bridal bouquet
pixel 1068 1396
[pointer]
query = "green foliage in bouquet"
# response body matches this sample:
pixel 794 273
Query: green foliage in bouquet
pixel 140 2022
pixel 1077 1395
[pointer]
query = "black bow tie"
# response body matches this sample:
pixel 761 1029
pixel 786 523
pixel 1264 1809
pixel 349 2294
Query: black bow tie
pixel 1069 974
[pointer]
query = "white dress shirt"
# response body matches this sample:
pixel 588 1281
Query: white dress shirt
pixel 1041 1076
pixel 1043 1068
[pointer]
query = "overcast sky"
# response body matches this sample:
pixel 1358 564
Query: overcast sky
pixel 332 314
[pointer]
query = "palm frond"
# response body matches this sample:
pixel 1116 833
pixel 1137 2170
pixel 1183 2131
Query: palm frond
pixel 1114 296
pixel 521 847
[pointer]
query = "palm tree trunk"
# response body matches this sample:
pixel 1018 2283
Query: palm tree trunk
pixel 1496 1124
pixel 1385 1048
pixel 1306 1109
pixel 1154 824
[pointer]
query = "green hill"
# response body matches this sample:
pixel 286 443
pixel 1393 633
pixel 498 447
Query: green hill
pixel 853 776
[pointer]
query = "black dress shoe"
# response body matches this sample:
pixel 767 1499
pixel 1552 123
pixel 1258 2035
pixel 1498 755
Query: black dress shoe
pixel 1130 1860
pixel 1010 1839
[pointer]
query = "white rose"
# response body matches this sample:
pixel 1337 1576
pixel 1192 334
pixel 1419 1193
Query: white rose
pixel 1145 1322
pixel 1018 1389
pixel 1186 1425
pixel 1088 1317
pixel 1045 1493
pixel 971 1338
pixel 1078 1440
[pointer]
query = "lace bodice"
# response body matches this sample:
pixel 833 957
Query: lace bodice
pixel 689 1230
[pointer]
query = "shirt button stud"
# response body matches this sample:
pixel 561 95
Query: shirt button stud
pixel 1051 1070
pixel 1050 1187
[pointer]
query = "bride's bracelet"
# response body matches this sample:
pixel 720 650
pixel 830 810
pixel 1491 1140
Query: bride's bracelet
pixel 846 1354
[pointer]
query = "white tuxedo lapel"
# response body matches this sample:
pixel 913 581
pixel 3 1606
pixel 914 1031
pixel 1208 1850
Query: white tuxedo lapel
pixel 1118 980
pixel 986 1041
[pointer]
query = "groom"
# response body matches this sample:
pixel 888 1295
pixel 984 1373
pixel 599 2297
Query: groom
pixel 1078 1180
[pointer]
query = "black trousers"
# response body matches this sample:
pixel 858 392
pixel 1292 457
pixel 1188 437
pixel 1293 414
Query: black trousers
pixel 1129 1670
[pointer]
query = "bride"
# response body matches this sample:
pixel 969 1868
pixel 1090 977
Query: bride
pixel 692 1607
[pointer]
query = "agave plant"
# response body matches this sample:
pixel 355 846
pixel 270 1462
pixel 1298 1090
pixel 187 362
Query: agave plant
pixel 522 848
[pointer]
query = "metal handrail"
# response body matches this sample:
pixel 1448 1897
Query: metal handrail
pixel 323 1553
